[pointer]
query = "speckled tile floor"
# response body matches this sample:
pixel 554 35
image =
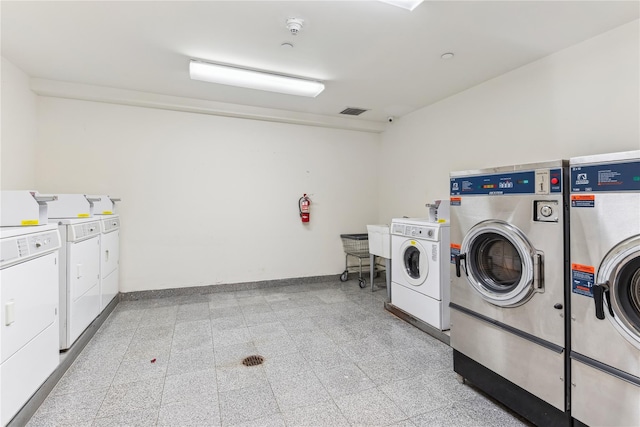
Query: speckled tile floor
pixel 333 357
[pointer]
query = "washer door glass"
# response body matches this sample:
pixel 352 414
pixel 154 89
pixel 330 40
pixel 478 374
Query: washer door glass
pixel 415 264
pixel 497 261
pixel 501 264
pixel 412 262
pixel 621 270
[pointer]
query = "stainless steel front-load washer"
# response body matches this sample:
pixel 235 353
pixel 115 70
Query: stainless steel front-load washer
pixel 605 289
pixel 508 293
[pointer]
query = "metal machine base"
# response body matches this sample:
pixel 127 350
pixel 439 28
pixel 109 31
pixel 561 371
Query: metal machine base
pixel 425 327
pixel 516 398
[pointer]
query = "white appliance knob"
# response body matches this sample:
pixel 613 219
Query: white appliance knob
pixel 546 211
pixel 430 233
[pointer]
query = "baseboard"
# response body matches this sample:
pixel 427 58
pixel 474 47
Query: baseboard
pixel 225 287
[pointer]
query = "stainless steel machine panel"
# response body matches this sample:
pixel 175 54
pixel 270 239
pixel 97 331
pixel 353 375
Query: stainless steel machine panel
pixel 508 273
pixel 605 289
pixel 540 315
pixel 589 245
pixel 601 399
pixel 535 368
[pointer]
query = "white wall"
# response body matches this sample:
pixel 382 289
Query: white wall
pixel 209 199
pixel 18 126
pixel 580 101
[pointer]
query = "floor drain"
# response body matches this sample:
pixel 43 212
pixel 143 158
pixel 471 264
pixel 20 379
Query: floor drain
pixel 253 360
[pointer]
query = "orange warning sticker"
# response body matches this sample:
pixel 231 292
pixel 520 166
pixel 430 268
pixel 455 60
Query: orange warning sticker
pixel 455 251
pixel 583 201
pixel 583 268
pixel 455 201
pixel 583 197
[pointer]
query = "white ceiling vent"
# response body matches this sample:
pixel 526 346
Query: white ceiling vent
pixel 351 111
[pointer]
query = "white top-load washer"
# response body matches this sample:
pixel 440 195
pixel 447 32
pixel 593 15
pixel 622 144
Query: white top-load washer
pixel 104 210
pixel 79 264
pixel 420 269
pixel 29 331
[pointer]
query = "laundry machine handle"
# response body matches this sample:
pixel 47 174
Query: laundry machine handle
pixel 538 278
pixel 600 292
pixel 458 259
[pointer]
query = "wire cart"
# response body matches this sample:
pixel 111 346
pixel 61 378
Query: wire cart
pixel 355 246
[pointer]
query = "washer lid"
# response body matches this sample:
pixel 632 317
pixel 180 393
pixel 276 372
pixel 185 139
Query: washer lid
pixel 501 264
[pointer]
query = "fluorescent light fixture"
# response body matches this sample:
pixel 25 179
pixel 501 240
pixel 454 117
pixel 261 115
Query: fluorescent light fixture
pixel 252 79
pixel 405 4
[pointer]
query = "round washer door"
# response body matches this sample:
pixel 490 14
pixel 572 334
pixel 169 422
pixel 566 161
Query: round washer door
pixel 620 269
pixel 500 263
pixel 415 264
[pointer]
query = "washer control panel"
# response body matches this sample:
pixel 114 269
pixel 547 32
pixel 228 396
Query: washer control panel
pixel 18 249
pixel 546 210
pixel 416 231
pixel 83 231
pixel 110 224
pixel 539 181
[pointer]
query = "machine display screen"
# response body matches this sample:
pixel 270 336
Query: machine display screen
pixel 606 177
pixel 506 183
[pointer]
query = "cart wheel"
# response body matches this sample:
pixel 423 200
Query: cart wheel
pixel 344 276
pixel 362 283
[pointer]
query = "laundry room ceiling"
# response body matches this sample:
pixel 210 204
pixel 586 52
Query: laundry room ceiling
pixel 369 54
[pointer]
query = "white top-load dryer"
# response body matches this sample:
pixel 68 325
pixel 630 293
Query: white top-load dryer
pixel 29 310
pixel 79 264
pixel 105 211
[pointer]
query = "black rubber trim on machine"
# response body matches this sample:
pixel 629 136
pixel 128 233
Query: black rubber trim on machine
pixel 546 344
pixel 624 376
pixel 514 397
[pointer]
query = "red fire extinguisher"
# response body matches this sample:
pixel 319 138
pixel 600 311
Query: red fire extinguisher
pixel 303 206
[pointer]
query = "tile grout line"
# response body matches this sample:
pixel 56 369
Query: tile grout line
pixel 215 369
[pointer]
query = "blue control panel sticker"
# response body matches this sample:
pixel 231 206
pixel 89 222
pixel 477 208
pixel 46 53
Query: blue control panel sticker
pixel 504 183
pixel 582 279
pixel 606 177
